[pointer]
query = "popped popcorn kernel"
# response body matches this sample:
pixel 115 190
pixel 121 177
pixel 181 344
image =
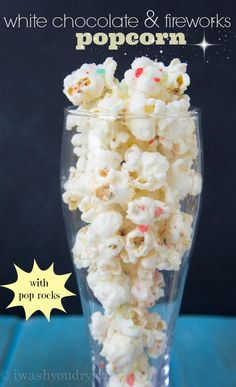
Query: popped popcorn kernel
pixel 104 192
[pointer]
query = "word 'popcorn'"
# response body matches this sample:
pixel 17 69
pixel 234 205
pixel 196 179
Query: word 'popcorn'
pixel 136 143
pixel 114 40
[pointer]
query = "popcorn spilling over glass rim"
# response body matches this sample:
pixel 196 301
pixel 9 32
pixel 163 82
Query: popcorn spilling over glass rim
pixel 134 180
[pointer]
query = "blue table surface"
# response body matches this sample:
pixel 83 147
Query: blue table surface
pixel 38 353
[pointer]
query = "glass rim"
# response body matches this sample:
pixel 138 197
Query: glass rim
pixel 73 110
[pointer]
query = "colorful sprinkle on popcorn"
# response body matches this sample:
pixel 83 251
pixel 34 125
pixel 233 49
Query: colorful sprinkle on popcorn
pixel 141 208
pixel 157 80
pixel 143 228
pixel 130 379
pixel 151 141
pixel 100 71
pixel 158 211
pixel 138 72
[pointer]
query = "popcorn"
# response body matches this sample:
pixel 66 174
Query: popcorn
pixel 90 208
pixel 84 85
pixel 150 167
pixel 99 254
pixel 147 292
pixel 183 180
pixel 147 284
pixel 124 334
pixel 99 326
pixel 89 82
pixel 137 103
pixel 118 137
pixel 139 243
pixel 111 290
pixel 98 136
pixel 84 251
pixel 111 104
pixel 147 77
pixel 100 160
pixel 139 376
pixel 179 231
pixel 156 342
pixel 78 185
pixel 73 120
pixel 108 265
pixel 120 186
pixel 106 224
pixel 120 350
pixel 72 194
pixel 136 144
pixel 110 67
pixel 104 193
pixel 176 131
pixel 106 135
pixel 80 143
pixel 177 79
pixel 146 210
pixel 132 158
pixel 167 258
pixel 143 128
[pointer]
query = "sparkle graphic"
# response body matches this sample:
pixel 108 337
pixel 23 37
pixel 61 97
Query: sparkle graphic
pixel 204 45
pixel 38 289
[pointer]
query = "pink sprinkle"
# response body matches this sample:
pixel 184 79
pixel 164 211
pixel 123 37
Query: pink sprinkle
pixel 158 211
pixel 143 227
pixel 151 141
pixel 102 364
pixel 156 79
pixel 138 72
pixel 130 379
pixel 141 208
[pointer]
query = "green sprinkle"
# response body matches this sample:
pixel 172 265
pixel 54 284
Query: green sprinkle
pixel 100 71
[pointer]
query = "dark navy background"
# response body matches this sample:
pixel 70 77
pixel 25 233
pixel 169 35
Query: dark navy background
pixel 33 64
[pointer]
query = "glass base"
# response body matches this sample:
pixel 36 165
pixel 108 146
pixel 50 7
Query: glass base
pixel 161 377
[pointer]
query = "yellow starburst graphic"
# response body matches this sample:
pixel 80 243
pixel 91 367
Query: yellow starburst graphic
pixel 39 290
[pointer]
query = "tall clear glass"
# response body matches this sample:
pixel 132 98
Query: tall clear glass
pixel 167 305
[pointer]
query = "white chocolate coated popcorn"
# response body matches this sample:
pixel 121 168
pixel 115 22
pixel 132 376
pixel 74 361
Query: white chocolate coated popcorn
pixel 124 334
pixel 111 290
pixel 146 210
pixel 107 224
pixel 136 144
pixel 89 82
pixel 138 376
pixel 146 77
pixel 150 168
pixel 139 243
